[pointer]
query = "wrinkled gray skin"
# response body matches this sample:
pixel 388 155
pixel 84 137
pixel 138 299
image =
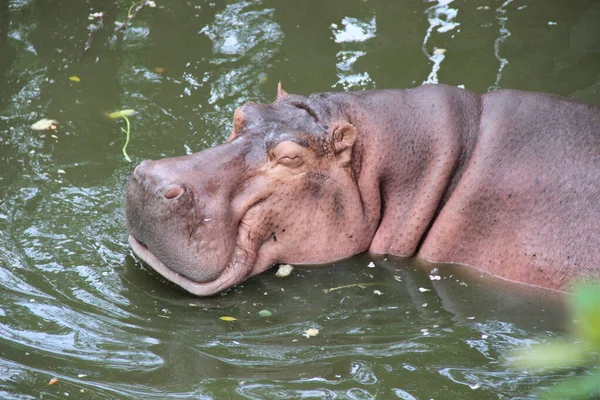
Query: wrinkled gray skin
pixel 507 182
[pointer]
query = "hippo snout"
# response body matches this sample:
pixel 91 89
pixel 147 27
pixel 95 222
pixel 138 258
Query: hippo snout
pixel 151 178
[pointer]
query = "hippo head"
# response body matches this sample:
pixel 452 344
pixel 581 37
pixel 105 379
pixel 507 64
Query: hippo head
pixel 282 189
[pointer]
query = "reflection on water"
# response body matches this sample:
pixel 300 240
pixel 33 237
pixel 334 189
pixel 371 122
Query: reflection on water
pixel 504 34
pixel 352 36
pixel 442 18
pixel 75 304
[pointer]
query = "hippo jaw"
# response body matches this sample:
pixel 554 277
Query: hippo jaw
pixel 229 277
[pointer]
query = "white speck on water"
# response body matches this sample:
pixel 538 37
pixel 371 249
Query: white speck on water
pixel 422 290
pixel 424 304
pixel 484 336
pixel 377 292
pixel 475 386
pixel 551 23
pixel 371 265
pixel 470 317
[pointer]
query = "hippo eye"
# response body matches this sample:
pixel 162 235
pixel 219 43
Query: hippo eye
pixel 290 161
pixel 306 108
pixel 288 154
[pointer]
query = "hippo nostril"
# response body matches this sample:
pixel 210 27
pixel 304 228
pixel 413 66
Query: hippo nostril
pixel 172 191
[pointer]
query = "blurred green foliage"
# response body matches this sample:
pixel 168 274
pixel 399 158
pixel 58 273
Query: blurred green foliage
pixel 581 351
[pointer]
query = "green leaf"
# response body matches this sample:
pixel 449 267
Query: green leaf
pixel 580 387
pixel 227 319
pixel 585 304
pixel 552 356
pixel 265 313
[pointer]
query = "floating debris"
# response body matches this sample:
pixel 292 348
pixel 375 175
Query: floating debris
pixel 311 332
pixel 44 124
pixel 75 79
pixel 371 265
pixel 265 313
pixel 284 270
pixel 53 381
pixel 360 285
pixel 121 114
pixel 422 290
pixel 227 319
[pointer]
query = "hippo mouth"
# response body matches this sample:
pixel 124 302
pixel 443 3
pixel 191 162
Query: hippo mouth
pixel 224 280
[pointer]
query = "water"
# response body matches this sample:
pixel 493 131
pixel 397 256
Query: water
pixel 75 305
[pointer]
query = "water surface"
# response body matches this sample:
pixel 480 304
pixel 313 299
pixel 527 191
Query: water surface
pixel 75 304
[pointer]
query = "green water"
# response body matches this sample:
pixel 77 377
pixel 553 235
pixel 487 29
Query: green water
pixel 75 305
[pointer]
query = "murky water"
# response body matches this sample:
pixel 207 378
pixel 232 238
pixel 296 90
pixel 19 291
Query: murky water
pixel 75 305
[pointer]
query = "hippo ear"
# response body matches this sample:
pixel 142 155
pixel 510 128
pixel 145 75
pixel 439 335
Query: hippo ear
pixel 344 136
pixel 280 92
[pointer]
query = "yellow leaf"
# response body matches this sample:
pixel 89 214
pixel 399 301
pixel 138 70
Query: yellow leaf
pixel 53 381
pixel 121 114
pixel 74 78
pixel 227 319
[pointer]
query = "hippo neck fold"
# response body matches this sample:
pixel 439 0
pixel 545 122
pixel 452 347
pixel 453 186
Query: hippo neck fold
pixel 412 147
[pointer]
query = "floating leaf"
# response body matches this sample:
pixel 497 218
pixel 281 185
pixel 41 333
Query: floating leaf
pixel 311 332
pixel 227 319
pixel 160 70
pixel 74 78
pixel 44 124
pixel 53 381
pixel 121 114
pixel 265 313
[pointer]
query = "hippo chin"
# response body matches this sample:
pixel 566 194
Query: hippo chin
pixel 507 182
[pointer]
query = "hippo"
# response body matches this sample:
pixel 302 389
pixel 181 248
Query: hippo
pixel 506 182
